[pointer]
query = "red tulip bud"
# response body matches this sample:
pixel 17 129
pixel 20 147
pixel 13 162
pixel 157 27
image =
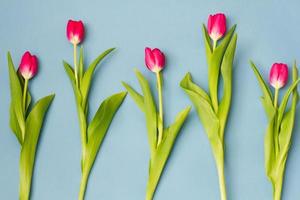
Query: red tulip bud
pixel 28 66
pixel 154 59
pixel 216 26
pixel 279 75
pixel 75 31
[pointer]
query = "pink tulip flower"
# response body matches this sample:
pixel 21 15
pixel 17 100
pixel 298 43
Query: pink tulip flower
pixel 28 66
pixel 75 31
pixel 154 59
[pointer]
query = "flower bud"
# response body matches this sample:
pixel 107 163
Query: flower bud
pixel 216 26
pixel 75 31
pixel 28 66
pixel 279 75
pixel 154 59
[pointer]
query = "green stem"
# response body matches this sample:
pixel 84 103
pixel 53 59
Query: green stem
pixel 161 120
pixel 75 63
pixel 25 95
pixel 222 182
pixel 277 187
pixel 276 98
pixel 214 44
pixel 83 184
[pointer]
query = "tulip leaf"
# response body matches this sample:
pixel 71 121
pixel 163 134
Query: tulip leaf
pixel 87 77
pixel 163 151
pixel 138 98
pixel 287 123
pixel 17 120
pixel 267 99
pixel 28 97
pixel 150 110
pixel 285 99
pixel 34 124
pixel 70 73
pixel 269 146
pixel 214 60
pixel 204 109
pixel 99 127
pixel 226 72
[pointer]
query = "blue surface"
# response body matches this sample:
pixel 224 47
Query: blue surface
pixel 268 31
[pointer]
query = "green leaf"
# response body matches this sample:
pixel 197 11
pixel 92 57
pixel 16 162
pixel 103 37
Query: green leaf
pixel 287 123
pixel 270 154
pixel 34 124
pixel 138 98
pixel 87 77
pixel 150 111
pixel 285 99
pixel 226 71
pixel 267 99
pixel 97 131
pixel 204 109
pixel 214 60
pixel 163 151
pixel 17 120
pixel 28 97
pixel 70 73
pixel 188 83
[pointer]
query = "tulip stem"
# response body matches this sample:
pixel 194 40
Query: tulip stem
pixel 276 97
pixel 160 121
pixel 25 95
pixel 214 44
pixel 75 63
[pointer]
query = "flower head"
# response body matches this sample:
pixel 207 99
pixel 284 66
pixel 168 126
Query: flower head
pixel 278 75
pixel 216 26
pixel 28 66
pixel 75 31
pixel 154 59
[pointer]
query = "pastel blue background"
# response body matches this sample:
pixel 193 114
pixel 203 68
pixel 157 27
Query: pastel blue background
pixel 268 31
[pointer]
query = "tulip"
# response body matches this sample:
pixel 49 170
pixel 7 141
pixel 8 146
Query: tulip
pixel 28 66
pixel 279 75
pixel 28 69
pixel 154 59
pixel 278 78
pixel 75 31
pixel 75 34
pixel 155 62
pixel 216 26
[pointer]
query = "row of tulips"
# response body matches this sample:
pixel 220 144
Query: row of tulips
pixel 212 111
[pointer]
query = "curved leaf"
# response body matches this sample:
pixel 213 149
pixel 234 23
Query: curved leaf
pixel 34 124
pixel 97 131
pixel 214 60
pixel 267 99
pixel 204 109
pixel 163 151
pixel 138 98
pixel 150 111
pixel 226 71
pixel 17 120
pixel 88 75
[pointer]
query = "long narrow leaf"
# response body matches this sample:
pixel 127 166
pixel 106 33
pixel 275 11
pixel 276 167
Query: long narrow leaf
pixel 267 95
pixel 34 124
pixel 138 98
pixel 97 131
pixel 88 75
pixel 150 111
pixel 226 71
pixel 163 151
pixel 204 109
pixel 17 120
